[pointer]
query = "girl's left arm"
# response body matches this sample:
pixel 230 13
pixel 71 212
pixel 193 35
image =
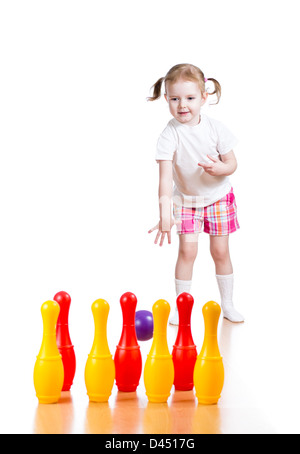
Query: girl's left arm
pixel 230 161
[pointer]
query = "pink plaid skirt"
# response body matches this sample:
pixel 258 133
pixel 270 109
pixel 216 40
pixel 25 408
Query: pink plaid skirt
pixel 220 218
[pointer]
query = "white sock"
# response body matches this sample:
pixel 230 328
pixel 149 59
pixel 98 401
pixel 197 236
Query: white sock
pixel 180 287
pixel 225 283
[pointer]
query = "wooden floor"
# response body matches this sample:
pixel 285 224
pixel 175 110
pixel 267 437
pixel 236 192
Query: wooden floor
pixel 129 413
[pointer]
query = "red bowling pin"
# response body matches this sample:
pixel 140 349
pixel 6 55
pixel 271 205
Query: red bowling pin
pixel 184 350
pixel 63 339
pixel 128 358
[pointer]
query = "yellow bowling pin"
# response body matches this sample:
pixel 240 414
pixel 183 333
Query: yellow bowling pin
pixel 100 366
pixel 48 375
pixel 209 369
pixel 159 368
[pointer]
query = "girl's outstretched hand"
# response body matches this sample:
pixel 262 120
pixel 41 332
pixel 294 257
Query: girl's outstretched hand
pixel 163 231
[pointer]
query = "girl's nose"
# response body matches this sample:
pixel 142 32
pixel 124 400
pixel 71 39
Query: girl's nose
pixel 182 103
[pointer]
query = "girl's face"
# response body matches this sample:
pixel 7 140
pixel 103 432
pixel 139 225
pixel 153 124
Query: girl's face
pixel 185 101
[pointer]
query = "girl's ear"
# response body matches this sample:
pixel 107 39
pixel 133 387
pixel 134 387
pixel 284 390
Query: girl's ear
pixel 204 98
pixel 166 98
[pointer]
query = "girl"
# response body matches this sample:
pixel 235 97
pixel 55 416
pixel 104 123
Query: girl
pixel 196 153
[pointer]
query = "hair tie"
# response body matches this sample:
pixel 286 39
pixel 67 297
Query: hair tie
pixel 205 80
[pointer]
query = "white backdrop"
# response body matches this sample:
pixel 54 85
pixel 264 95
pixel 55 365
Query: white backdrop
pixel 78 178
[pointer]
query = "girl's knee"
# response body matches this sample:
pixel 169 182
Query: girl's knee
pixel 188 252
pixel 219 252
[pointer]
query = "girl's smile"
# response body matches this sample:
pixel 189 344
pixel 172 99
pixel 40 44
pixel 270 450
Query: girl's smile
pixel 185 101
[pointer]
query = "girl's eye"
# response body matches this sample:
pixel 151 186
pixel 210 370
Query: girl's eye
pixel 190 98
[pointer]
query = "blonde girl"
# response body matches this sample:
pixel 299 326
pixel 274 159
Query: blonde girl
pixel 196 157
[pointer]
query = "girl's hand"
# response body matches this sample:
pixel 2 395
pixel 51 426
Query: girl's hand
pixel 163 230
pixel 215 167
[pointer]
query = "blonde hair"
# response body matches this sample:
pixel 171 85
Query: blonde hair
pixel 187 72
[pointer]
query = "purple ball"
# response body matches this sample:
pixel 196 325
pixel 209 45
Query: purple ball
pixel 144 325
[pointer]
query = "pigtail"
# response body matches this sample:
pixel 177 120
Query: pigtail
pixel 156 90
pixel 217 90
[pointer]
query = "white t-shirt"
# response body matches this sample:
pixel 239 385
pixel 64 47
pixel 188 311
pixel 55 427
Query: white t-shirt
pixel 186 146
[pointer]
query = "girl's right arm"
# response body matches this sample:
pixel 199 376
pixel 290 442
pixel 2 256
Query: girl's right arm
pixel 165 189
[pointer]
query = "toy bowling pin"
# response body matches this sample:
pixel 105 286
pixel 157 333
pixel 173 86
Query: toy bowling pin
pixel 128 358
pixel 159 368
pixel 209 369
pixel 184 350
pixel 63 339
pixel 48 372
pixel 100 367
